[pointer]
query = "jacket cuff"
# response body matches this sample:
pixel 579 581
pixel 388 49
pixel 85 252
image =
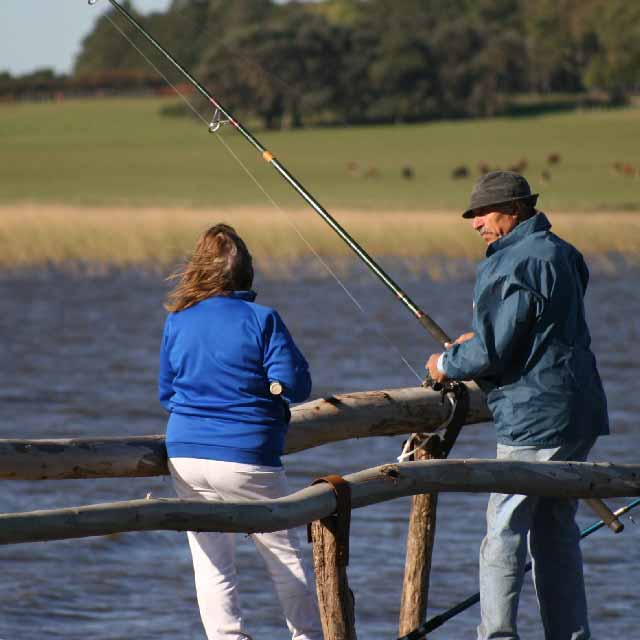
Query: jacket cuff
pixel 440 364
pixel 449 368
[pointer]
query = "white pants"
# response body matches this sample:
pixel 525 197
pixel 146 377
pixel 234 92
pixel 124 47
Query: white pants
pixel 214 553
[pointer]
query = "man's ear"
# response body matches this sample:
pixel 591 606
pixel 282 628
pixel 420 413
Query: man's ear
pixel 519 211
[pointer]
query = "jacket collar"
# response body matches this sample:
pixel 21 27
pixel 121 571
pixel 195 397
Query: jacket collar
pixel 249 296
pixel 538 222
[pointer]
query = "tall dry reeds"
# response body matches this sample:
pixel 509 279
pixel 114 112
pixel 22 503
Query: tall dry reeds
pixel 39 235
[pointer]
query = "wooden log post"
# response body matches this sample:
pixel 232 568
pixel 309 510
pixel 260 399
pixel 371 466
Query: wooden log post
pixel 420 538
pixel 335 599
pixel 330 537
pixel 422 521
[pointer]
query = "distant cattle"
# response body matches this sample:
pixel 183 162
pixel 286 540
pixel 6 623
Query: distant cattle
pixel 353 169
pixel 372 172
pixel 553 158
pixel 625 169
pixel 460 172
pixel 408 172
pixel 520 166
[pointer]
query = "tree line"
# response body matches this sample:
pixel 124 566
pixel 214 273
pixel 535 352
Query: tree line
pixel 363 61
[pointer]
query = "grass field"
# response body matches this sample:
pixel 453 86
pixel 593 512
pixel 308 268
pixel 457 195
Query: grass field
pixel 114 182
pixel 122 152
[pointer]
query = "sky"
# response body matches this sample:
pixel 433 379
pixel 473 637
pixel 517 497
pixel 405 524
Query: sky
pixel 48 33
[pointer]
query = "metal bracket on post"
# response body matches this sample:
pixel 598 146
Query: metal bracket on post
pixel 342 516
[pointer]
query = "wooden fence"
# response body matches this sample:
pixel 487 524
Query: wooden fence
pixel 325 505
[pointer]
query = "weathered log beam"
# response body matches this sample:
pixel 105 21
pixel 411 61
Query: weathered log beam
pixel 353 415
pixel 61 459
pixel 577 479
pixel 389 412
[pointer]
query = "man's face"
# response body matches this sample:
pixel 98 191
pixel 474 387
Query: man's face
pixel 494 222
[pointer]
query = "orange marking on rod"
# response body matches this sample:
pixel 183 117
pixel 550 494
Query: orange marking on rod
pixel 268 156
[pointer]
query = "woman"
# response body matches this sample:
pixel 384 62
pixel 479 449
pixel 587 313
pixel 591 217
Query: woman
pixel 220 354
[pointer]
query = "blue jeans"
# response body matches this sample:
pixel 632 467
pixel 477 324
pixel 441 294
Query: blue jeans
pixel 548 526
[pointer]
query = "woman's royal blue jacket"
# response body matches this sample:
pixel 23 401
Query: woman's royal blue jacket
pixel 217 360
pixel 531 349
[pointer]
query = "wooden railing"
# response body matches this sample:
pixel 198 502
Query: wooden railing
pixel 355 415
pixel 342 417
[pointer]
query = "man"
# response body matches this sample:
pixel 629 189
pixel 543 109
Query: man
pixel 529 349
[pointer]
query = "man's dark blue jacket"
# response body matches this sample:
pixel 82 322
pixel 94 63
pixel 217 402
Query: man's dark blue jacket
pixel 216 361
pixel 531 347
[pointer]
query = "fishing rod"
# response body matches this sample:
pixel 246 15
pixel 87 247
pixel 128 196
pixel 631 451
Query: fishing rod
pixel 222 115
pixel 437 621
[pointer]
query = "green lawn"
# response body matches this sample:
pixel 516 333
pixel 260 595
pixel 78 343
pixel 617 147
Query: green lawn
pixel 123 152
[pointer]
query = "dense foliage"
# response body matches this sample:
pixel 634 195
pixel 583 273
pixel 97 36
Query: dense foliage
pixel 386 60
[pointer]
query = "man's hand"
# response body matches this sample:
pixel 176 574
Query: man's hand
pixel 432 362
pixel 432 368
pixel 460 339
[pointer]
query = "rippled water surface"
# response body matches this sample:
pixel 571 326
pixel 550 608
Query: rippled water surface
pixel 78 358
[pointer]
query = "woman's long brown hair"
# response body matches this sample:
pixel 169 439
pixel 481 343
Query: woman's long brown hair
pixel 220 264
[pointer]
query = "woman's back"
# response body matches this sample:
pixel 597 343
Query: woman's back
pixel 217 360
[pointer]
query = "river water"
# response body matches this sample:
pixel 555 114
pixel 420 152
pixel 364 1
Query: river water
pixel 79 358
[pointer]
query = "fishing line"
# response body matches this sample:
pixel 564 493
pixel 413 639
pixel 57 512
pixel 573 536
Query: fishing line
pixel 378 328
pixel 273 202
pixel 432 327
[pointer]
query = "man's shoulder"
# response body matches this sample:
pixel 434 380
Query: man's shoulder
pixel 529 250
pixel 541 246
pixel 562 244
pixel 525 261
pixel 550 248
pixel 537 262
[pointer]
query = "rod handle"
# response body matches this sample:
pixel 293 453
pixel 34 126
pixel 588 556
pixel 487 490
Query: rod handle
pixel 436 331
pixel 605 514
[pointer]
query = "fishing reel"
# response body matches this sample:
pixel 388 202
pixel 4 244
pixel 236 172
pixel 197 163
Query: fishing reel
pixel 448 386
pixel 430 383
